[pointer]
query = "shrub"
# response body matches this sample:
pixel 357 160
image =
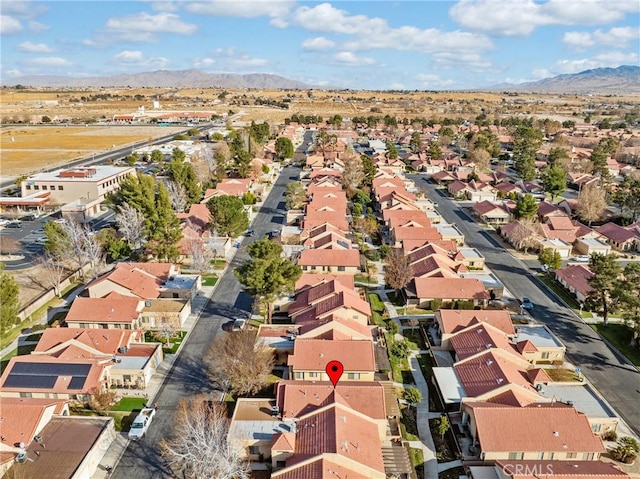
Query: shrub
pixel 372 255
pixel 627 450
pixel 436 304
pixel 412 395
pixel 384 250
pixel 393 327
pixel 400 349
pixel 610 436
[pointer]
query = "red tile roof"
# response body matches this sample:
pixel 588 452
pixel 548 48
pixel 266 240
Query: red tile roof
pixel 329 257
pixel 617 233
pixel 577 276
pixel 539 427
pixel 106 341
pixel 321 467
pixel 450 288
pixel 310 279
pixel 113 308
pixel 314 354
pixel 22 416
pixel 478 338
pixel 297 398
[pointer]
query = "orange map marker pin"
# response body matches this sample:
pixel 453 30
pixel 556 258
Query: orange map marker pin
pixel 334 370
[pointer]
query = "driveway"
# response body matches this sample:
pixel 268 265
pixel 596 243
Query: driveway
pixel 616 379
pixel 141 459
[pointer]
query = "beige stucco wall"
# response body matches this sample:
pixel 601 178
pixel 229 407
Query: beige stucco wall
pixel 308 375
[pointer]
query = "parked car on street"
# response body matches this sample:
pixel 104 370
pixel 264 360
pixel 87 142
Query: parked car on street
pixel 527 304
pixel 14 224
pixel 581 259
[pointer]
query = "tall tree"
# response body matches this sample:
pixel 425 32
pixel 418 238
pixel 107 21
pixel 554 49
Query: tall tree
pixel 325 142
pixel 627 196
pixel 185 175
pixel 369 169
pixel 592 203
pixel 415 144
pixel 630 300
pixel 284 148
pixel 558 156
pixel 52 272
pixel 241 360
pixel 550 258
pixel 242 161
pixel 267 274
pixel 177 196
pixel 166 230
pixel 228 216
pixel 392 150
pixel 58 244
pixel 353 173
pixel 398 271
pixel 526 206
pixel 295 195
pixel 604 283
pixel 131 223
pixel 554 180
pixel 199 446
pixel 156 156
pixel 9 300
pixel 221 158
pixel 434 150
pixel 526 143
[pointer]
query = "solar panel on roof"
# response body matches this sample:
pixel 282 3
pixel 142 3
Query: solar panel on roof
pixel 77 382
pixel 28 381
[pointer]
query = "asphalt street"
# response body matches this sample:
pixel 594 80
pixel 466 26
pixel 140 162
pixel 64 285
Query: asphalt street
pixel 141 459
pixel 616 379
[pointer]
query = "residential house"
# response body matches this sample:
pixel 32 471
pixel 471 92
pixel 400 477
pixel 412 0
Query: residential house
pixel 576 279
pixel 310 357
pixel 491 213
pixel 553 432
pixel 331 298
pixel 592 243
pixel 538 345
pixel 330 261
pixel 446 291
pixel 114 311
pixel 619 237
pixel 450 321
pixel 229 186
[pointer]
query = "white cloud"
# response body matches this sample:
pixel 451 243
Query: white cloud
pixel 521 17
pixel 14 72
pixel 351 59
pixel 245 61
pixel 50 62
pixel 318 43
pixel 431 81
pixel 455 59
pixel 30 47
pixel 136 58
pixel 242 9
pixel 23 9
pixel 165 6
pixel 37 27
pixel 375 33
pixel 609 59
pixel 9 25
pixel 615 37
pixel 203 62
pixel 145 26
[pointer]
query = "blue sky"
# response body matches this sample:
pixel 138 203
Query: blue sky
pixel 425 45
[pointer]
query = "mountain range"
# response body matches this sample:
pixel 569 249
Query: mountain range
pixel 621 80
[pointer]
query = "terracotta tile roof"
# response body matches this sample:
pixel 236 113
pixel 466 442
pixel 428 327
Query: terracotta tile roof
pixel 297 398
pixel 310 279
pixel 526 346
pixel 454 320
pixel 329 257
pixel 234 186
pixel 617 233
pixel 22 416
pixel 105 341
pixel 113 308
pixel 335 327
pixel 284 441
pixel 485 207
pixel 198 215
pixel 314 354
pixel 398 217
pixel 545 208
pixel 450 288
pixel 437 265
pixel 403 233
pixel 539 427
pixel 338 430
pixel 491 370
pixel 409 246
pixel 538 375
pixel 513 397
pixel 576 276
pixel 480 337
pixel 382 182
pixel 314 294
pixel 570 469
pixel 142 279
pixel 321 467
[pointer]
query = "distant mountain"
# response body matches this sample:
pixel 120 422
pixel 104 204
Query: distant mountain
pixel 622 80
pixel 164 79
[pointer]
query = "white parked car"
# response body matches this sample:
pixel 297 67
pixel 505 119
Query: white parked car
pixel 581 259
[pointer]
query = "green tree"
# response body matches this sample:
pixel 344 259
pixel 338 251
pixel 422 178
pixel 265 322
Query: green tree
pixel 46 119
pixel 627 449
pixel 526 206
pixel 630 300
pixel 443 425
pixel 242 162
pixel 412 395
pixel 325 142
pixel 550 258
pixel 138 191
pixel 157 156
pixel 415 144
pixel 435 151
pixel 115 247
pixel 486 140
pixel 284 148
pixel 249 198
pixel 295 195
pixel 627 197
pixel 526 143
pixel 266 275
pixel 19 180
pixel 185 175
pixel 132 159
pixel 605 283
pixel 392 151
pixel 554 180
pixel 370 170
pixel 228 216
pixel 58 243
pixel 557 155
pixel 9 300
pixel 166 231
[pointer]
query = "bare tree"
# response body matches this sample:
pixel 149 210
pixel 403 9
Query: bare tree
pixel 481 158
pixel 52 272
pixel 398 271
pixel 165 331
pixel 353 173
pixel 591 203
pixel 200 446
pixel 525 235
pixel 85 248
pixel 130 223
pixel 177 196
pixel 241 361
pixel 201 255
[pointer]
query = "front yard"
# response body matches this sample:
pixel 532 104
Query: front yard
pixel 619 335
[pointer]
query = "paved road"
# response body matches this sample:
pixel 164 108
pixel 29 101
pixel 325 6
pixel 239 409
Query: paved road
pixel 141 459
pixel 612 375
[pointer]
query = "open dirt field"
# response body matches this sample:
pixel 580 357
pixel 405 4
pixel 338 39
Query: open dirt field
pixel 31 148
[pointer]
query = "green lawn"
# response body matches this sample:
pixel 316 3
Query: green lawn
pixel 129 404
pixel 209 279
pixel 409 425
pixel 557 288
pixel 376 303
pixel 619 335
pixel 218 263
pixel 417 461
pixel 414 338
pixel 364 279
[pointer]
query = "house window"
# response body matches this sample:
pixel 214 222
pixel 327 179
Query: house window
pixel 299 375
pixel 60 187
pixel 36 187
pixel 281 463
pixel 545 356
pixel 516 455
pixel 44 187
pixel 588 456
pixel 540 456
pixel 25 395
pixel 28 187
pixel 596 427
pixel 550 456
pixel 353 375
pixel 341 268
pixel 572 455
pixel 126 378
pixel 313 375
pixel 52 187
pixel 255 450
